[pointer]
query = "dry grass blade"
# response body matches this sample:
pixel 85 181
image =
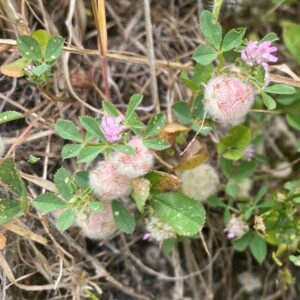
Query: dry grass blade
pixel 22 231
pixel 100 20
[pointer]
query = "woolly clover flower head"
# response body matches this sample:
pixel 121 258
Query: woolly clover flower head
pixel 244 186
pixel 112 128
pixel 236 228
pixel 228 99
pixel 259 54
pixel 135 165
pixel 2 146
pixel 97 225
pixel 201 182
pixel 107 182
pixel 158 230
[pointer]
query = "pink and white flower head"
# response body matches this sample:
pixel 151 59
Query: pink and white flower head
pixel 97 225
pixel 236 228
pixel 108 183
pixel 228 99
pixel 135 165
pixel 112 128
pixel 259 54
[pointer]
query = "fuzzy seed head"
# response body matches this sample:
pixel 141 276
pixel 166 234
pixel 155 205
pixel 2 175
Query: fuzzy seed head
pixel 135 165
pixel 97 225
pixel 158 230
pixel 201 182
pixel 108 183
pixel 228 99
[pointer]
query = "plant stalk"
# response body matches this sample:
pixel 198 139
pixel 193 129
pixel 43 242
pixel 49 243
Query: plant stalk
pixel 217 9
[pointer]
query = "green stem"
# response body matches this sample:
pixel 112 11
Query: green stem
pixel 220 62
pixel 216 9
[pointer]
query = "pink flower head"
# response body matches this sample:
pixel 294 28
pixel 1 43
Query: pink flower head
pixel 108 183
pixel 97 225
pixel 228 99
pixel 112 128
pixel 134 165
pixel 259 54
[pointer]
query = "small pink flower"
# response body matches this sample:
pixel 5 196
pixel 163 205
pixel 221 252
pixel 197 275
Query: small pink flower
pixel 228 99
pixel 259 54
pixel 146 236
pixel 112 128
pixel 134 165
pixel 108 183
pixel 249 153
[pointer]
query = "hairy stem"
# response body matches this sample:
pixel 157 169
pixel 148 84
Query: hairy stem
pixel 216 9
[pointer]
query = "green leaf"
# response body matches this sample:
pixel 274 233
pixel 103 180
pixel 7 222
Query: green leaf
pixel 233 39
pixel 202 73
pixel 155 125
pixel 67 130
pixel 65 220
pixel 238 171
pixel 89 153
pixel 39 70
pixel 184 214
pixel 10 176
pixel 33 159
pixel 258 247
pixel 29 47
pixel 135 123
pixel 127 149
pixel 42 37
pixel 92 126
pixel 282 89
pixel 110 109
pixel 271 37
pixel 157 144
pixel 268 101
pixel 134 102
pixel 243 242
pixel 168 245
pixel 63 180
pixel 10 115
pixel 140 193
pixel 210 29
pixel 291 38
pixel 200 129
pixel 122 217
pixel 9 209
pixel 70 150
pixel 96 206
pixel 82 179
pixel 182 112
pixel 48 202
pixel 16 68
pixel 205 54
pixel 54 48
pixel 238 138
pixel 198 111
pixel 215 201
pixel 231 189
pixel 234 154
pixel 294 121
